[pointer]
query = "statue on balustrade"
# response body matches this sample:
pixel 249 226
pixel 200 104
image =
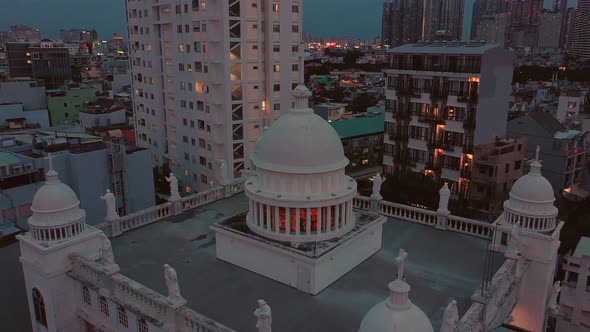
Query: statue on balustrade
pixel 377 182
pixel 443 201
pixel 111 205
pixel 554 294
pixel 450 317
pixel 223 172
pixel 106 251
pixel 264 317
pixel 173 186
pixel 172 283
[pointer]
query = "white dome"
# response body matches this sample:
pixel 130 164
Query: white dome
pixel 300 142
pixel 389 317
pixel 533 188
pixel 55 203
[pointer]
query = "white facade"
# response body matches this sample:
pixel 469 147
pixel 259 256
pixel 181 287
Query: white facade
pixel 575 296
pixel 207 76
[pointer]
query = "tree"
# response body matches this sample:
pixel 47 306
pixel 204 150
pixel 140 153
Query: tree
pixel 362 102
pixel 411 189
pixel 351 56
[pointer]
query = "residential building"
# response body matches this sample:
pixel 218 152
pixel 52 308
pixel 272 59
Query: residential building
pixel 575 291
pixel 581 37
pixel 47 60
pixel 570 101
pixel 524 26
pixel 549 29
pixel 5 37
pixel 65 103
pixel 401 22
pixel 442 100
pixel 487 8
pixel 25 33
pixel 493 29
pixel 23 105
pixel 443 20
pixel 567 29
pixel 332 111
pixel 80 36
pixel 562 150
pixel 208 76
pixel 362 139
pixel 103 115
pixel 126 171
pixel 496 166
pixel 3 61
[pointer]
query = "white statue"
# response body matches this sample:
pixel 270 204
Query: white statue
pixel 173 186
pixel 111 204
pixel 264 317
pixel 554 294
pixel 450 317
pixel 401 258
pixel 172 283
pixel 106 251
pixel 443 201
pixel 224 178
pixel 377 182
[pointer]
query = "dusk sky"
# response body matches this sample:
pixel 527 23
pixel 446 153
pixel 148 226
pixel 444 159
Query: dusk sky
pixel 323 18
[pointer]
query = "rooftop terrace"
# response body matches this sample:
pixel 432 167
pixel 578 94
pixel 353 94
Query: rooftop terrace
pixel 442 265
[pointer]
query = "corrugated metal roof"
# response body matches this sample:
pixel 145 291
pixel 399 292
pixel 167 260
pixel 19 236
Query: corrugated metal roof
pixel 359 126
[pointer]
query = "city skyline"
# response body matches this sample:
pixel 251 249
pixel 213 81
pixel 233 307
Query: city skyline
pixel 108 17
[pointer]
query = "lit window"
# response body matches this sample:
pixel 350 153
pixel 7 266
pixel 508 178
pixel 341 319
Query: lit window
pixel 122 316
pixel 104 306
pixel 275 7
pixel 276 68
pixel 180 48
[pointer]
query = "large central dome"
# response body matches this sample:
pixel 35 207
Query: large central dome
pixel 300 142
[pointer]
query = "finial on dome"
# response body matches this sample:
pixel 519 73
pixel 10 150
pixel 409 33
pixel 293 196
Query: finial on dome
pixel 51 176
pixel 536 165
pixel 301 94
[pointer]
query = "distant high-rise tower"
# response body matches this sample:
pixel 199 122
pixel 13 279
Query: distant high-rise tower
pixel 581 35
pixel 443 20
pixel 549 29
pixel 567 29
pixel 208 76
pixel 487 8
pixel 524 25
pixel 402 22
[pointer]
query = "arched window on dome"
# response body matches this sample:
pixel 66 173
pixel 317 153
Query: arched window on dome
pixel 104 306
pixel 39 306
pixel 122 314
pixel 142 325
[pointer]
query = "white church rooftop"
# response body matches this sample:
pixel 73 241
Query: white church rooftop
pixel 225 292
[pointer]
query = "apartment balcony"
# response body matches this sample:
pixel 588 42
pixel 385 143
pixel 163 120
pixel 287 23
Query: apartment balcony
pixel 408 92
pixel 469 123
pixel 466 172
pixel 398 137
pixel 468 98
pixel 430 118
pixel 468 149
pixel 448 147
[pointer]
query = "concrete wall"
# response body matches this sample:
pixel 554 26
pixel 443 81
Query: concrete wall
pixel 89 120
pixel 11 111
pixel 494 92
pixel 21 92
pixel 139 181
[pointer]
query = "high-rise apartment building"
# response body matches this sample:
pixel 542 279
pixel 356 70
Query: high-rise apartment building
pixel 25 33
pixel 484 9
pixel 208 76
pixel 79 36
pixel 549 29
pixel 443 20
pixel 47 60
pixel 402 22
pixel 492 28
pixel 581 35
pixel 524 25
pixel 443 99
pixel 567 28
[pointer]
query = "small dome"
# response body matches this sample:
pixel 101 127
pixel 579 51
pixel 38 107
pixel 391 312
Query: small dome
pixel 300 142
pixel 533 187
pixel 55 203
pixel 388 317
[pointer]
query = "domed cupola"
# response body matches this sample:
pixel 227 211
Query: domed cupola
pixel 530 205
pixel 56 211
pixel 397 313
pixel 300 192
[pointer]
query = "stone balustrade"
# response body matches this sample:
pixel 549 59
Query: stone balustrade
pixel 469 226
pixel 118 226
pixel 409 213
pixel 361 203
pixel 125 291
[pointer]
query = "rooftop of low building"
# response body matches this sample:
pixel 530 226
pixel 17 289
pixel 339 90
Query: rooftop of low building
pixel 359 126
pixel 455 47
pixel 228 294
